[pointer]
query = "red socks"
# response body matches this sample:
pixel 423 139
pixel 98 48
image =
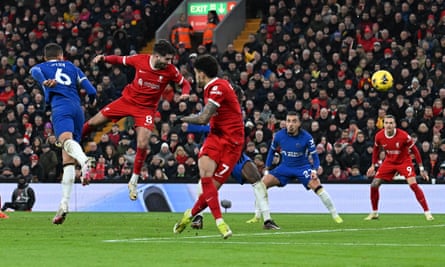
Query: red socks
pixel 209 197
pixel 420 196
pixel 86 130
pixel 375 195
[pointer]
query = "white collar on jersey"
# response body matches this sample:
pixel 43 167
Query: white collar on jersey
pixel 211 81
pixel 395 132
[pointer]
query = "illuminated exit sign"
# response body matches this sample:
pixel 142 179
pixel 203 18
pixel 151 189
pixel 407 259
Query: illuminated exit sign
pixel 197 12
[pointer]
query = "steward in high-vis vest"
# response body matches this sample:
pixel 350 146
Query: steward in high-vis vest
pixel 212 22
pixel 182 33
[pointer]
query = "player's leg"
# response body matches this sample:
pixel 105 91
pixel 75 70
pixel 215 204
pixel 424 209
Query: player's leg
pixel 97 120
pixel 198 219
pixel 144 124
pixel 420 196
pixel 315 185
pixel 73 149
pixel 374 196
pixel 251 175
pixel 68 177
pixel 207 197
pixel 143 135
pixel 268 180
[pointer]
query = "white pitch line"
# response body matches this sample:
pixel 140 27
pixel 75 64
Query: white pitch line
pixel 185 238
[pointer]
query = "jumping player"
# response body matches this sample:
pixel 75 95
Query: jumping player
pixel 140 98
pixel 60 80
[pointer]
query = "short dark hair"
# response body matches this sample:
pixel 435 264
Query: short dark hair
pixel 294 113
pixel 207 64
pixel 52 51
pixel 164 47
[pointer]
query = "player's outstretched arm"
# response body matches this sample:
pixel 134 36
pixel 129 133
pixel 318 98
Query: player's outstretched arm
pixel 203 117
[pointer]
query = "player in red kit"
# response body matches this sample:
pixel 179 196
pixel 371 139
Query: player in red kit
pixel 224 144
pixel 140 98
pixel 397 145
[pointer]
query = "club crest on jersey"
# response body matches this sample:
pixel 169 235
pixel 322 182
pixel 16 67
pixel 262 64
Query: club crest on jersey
pixel 215 91
pixel 397 145
pixel 160 79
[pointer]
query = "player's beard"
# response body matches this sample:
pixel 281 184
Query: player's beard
pixel 160 65
pixel 292 130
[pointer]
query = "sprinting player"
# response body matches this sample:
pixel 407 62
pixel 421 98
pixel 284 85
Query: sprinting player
pixel 244 171
pixel 224 144
pixel 60 80
pixel 397 145
pixel 140 98
pixel 299 160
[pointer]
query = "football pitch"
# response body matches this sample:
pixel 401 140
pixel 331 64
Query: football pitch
pixel 146 239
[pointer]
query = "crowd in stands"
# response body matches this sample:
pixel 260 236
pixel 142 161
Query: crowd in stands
pixel 315 57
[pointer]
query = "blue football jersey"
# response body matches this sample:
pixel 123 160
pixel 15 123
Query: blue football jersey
pixel 68 76
pixel 295 150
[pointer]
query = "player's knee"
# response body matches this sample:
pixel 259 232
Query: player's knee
pixel 318 189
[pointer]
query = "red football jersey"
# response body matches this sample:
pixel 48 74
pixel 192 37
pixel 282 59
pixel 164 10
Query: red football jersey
pixel 397 148
pixel 228 120
pixel 148 84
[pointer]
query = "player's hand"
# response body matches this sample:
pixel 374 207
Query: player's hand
pixel 314 175
pixel 370 172
pixel 98 59
pixel 49 83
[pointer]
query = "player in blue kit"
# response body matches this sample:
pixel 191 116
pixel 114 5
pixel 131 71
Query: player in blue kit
pixel 299 160
pixel 244 171
pixel 60 81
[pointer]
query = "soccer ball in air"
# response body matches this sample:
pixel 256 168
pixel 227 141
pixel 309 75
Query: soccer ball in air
pixel 382 80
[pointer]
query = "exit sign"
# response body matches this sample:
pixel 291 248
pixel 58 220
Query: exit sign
pixel 197 12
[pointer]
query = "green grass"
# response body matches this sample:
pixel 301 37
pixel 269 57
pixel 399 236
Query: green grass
pixel 146 239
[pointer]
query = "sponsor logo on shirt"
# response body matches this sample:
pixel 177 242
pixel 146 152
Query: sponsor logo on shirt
pixel 143 83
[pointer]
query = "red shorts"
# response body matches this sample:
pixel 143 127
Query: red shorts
pixel 224 153
pixel 120 108
pixel 387 170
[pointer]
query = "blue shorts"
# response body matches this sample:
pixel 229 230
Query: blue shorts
pixel 237 170
pixel 67 117
pixel 284 174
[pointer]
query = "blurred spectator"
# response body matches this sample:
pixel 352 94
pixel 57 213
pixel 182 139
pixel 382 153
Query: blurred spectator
pixel 171 167
pixel 114 135
pixel 7 175
pixel 180 155
pixel 22 198
pixel 157 162
pixel 355 174
pixel 441 175
pixel 37 171
pixel 49 162
pixel 192 168
pixel 181 172
pixel 16 165
pixel 159 175
pixel 338 174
